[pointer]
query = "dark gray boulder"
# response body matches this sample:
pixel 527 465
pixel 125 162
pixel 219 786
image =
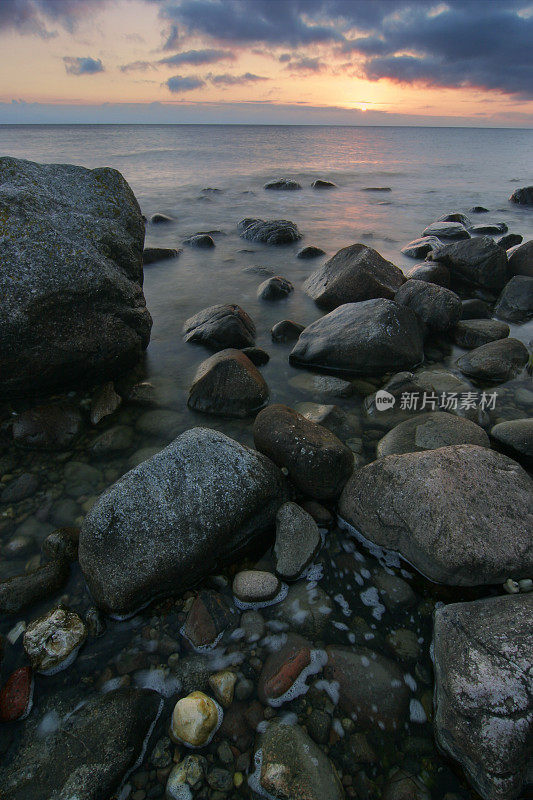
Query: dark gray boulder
pixel 495 361
pixel 51 427
pixel 474 308
pixel 286 331
pixel 73 310
pixel 428 432
pixel 510 240
pixel 446 230
pixel 419 248
pixel 297 541
pixel 515 303
pixel 521 260
pixel 366 338
pixel 439 308
pixel 228 385
pixel 310 252
pixel 431 272
pixel 490 229
pixel 321 184
pixel 220 327
pixel 283 185
pixel 160 219
pixel 274 288
pixel 455 216
pixel 479 262
pixel 515 437
pixel 479 210
pixel 201 241
pixel 483 689
pixel 523 196
pixel 274 231
pixel 173 519
pixel 471 333
pixel 353 274
pixel 153 254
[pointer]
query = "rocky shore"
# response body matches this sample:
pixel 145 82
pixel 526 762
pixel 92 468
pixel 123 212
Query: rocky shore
pixel 240 597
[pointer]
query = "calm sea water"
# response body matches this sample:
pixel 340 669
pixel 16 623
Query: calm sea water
pixel 430 172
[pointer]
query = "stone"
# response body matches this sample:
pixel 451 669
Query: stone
pixel 324 385
pixel 255 586
pixel 161 423
pixel 419 248
pixel 197 503
pixel 220 327
pixel 207 619
pixel 478 262
pixel 52 641
pixel 16 695
pixel 257 356
pixel 479 210
pixel 472 333
pixel 160 219
pixel 310 252
pixel 402 786
pixel 187 774
pixel 510 240
pixel 228 384
pixel 195 720
pixel 22 591
pixel 306 609
pixel 283 184
pixel 366 338
pixel 286 331
pixel 515 303
pixel 274 231
pixel 371 687
pixel 521 260
pixel 483 686
pixel 461 515
pixel 455 216
pixel 495 361
pixel 152 255
pixel 321 515
pixel 318 463
pixel 52 427
pixel 113 440
pixel 321 184
pixel 223 686
pixel 404 644
pixel 474 308
pixel 376 189
pixel 73 310
pixel 290 765
pixel 429 431
pixel 430 271
pixel 62 544
pixel 395 592
pixel 439 308
pixel 282 669
pixel 143 394
pixel 253 625
pixel 353 274
pixel 523 196
pixel 297 541
pixel 446 230
pixel 104 402
pixel 318 725
pixel 274 288
pixel 200 241
pixel 515 437
pixel 490 229
pixel 342 424
pixel 22 487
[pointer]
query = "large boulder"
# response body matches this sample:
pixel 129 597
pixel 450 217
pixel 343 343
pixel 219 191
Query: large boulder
pixel 228 384
pixel 73 310
pixel 439 308
pixel 366 338
pixel 515 437
pixel 419 248
pixel 523 196
pixel 430 431
pixel 462 515
pixel 430 271
pixel 273 231
pixel 521 259
pixel 515 303
pixel 483 689
pixel 219 327
pixel 470 333
pixel 355 273
pixel 446 229
pixel 171 520
pixel 478 262
pixel 500 360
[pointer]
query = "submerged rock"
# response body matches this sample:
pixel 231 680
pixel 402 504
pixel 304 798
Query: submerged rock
pixel 283 668
pixel 160 219
pixel 52 427
pixel 52 641
pixel 430 431
pixel 22 591
pixel 479 262
pixel 523 196
pixel 153 254
pixel 472 333
pixel 207 619
pixel 283 184
pixel 515 303
pixel 439 308
pixel 228 384
pixel 455 216
pixel 274 288
pixel 16 695
pixel 321 184
pixel 310 252
pixel 220 327
pixel 496 361
pixel 274 231
pixel 104 402
pixel 201 241
pixel 286 331
pixel 297 541
pixel 20 488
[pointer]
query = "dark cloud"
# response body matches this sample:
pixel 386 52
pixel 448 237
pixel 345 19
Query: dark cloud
pixel 179 84
pixel 35 16
pixel 235 80
pixel 199 57
pixel 173 38
pixel 84 65
pixel 305 65
pixel 284 57
pixel 137 66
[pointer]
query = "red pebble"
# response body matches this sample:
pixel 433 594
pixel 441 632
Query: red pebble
pixel 16 695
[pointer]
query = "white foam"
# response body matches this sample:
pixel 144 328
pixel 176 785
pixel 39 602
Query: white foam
pixel 49 724
pixel 416 712
pixel 157 679
pixel 140 759
pixel 341 600
pixel 410 681
pixel 62 665
pixel 330 687
pixel 242 605
pixel 370 598
pixel 318 660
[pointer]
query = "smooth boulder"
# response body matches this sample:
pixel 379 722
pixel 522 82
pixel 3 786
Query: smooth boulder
pixel 228 384
pixel 471 333
pixel 446 230
pixel 515 304
pixel 523 196
pixel 515 437
pixel 437 307
pixel 478 262
pixel 521 259
pixel 273 231
pixel 431 272
pixel 297 541
pixel 496 361
pixel 274 288
pixel 220 327
pixel 419 248
pixel 430 431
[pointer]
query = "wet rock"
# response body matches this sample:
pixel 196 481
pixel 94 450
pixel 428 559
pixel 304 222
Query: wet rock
pixel 274 231
pixel 446 230
pixel 257 356
pixel 274 288
pixel 402 786
pixel 286 331
pixel 104 402
pixel 472 333
pixel 23 591
pixel 283 184
pixel 353 274
pixel 228 385
pixel 325 385
pixel 297 541
pixel 160 219
pixel 438 307
pixel 473 308
pixel 223 685
pixel 404 644
pixel 321 184
pixel 142 394
pixel 305 610
pixel 490 229
pixel 495 361
pixel 479 210
pixel 53 427
pixel 16 695
pixel 207 619
pixel 255 586
pixel 318 463
pixel 81 478
pixel 455 216
pixel 515 437
pixel 321 515
pixel 52 641
pixel 371 687
pixel 289 764
pixel 153 254
pixel 114 440
pixel 318 725
pixel 20 488
pixel 253 626
pixel 342 424
pixel 395 592
pixel 310 252
pixel 430 271
pixel 192 672
pixel 201 241
pixel 479 262
pixel 366 338
pixel 521 260
pixel 510 240
pixel 283 668
pixel 483 686
pixel 62 544
pixel 195 504
pixel 220 327
pixel 428 432
pixel 459 514
pixel 515 303
pixel 523 196
pixel 419 248
pixel 189 773
pixel 376 189
pixel 195 720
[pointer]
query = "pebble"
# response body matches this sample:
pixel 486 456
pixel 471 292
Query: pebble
pixel 223 686
pixel 255 586
pixel 52 641
pixel 297 541
pixel 16 695
pixel 195 720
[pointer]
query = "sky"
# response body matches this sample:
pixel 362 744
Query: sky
pixel 350 62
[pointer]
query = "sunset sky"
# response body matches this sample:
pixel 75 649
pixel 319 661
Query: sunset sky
pixel 375 62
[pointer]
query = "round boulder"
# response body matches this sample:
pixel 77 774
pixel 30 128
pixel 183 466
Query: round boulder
pixel 228 384
pixel 430 431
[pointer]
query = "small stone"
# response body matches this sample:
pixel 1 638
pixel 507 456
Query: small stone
pixel 286 331
pixel 220 779
pixel 160 219
pixel 201 241
pixel 310 252
pixel 195 720
pixel 253 625
pixel 19 489
pixel 151 255
pixel 404 644
pixel 62 544
pixel 297 541
pixel 142 394
pixel 105 402
pixel 53 427
pixel 257 355
pixel 207 619
pixel 255 586
pixel 16 695
pixel 188 773
pixel 114 440
pixel 318 726
pixel 282 669
pixel 223 686
pixel 52 641
pixel 282 184
pixel 274 288
pixel 472 333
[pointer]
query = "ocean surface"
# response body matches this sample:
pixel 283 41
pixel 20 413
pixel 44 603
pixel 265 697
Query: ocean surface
pixel 430 171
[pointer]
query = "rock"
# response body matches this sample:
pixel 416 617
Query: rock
pixel 52 641
pixel 523 196
pixel 290 765
pixel 96 745
pixel 343 425
pixel 73 310
pixel 257 356
pixel 394 591
pixel 402 786
pixel 320 514
pixel 143 454
pixel 162 423
pixel 324 385
pixel 81 478
pixel 515 303
pixel 438 307
pixel 160 219
pixel 62 544
pixel 376 189
pixel 274 288
pixel 515 437
pixel 253 625
pixel 479 262
pixel 286 331
pixel 283 669
pixel 104 402
pixel 430 271
pixel 283 184
pixel 52 427
pixel 113 440
pixel 472 333
pixel 195 504
pixel 255 586
pixel 521 260
pixel 318 463
pixel 430 431
pixel 220 327
pixel 142 394
pixel 366 338
pixel 446 230
pixel 297 541
pixel 318 725
pixel 490 229
pixel 20 488
pixel 320 184
pixel 353 274
pixel 22 591
pixel 207 619
pixel 419 248
pixel 223 685
pixel 479 210
pixel 274 231
pixel 16 695
pixel 305 610
pixel 483 686
pixel 474 308
pixel 371 688
pixel 455 216
pixel 310 252
pixel 188 773
pixel 195 720
pixel 404 644
pixel 201 241
pixel 510 240
pixel 461 515
pixel 153 254
pixel 495 361
pixel 228 385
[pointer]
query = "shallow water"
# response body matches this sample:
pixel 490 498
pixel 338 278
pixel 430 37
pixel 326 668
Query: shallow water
pixel 430 172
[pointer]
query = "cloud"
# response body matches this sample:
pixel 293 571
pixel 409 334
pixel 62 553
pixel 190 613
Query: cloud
pixel 179 84
pixel 34 16
pixel 173 38
pixel 199 57
pixel 235 80
pixel 137 66
pixel 305 65
pixel 83 65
